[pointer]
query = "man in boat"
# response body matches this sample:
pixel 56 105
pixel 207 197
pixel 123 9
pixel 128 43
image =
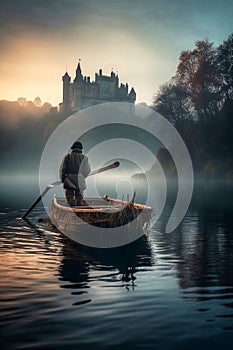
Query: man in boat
pixel 73 171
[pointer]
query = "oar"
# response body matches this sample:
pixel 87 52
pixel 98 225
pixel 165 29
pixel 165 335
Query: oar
pixel 56 183
pixel 105 168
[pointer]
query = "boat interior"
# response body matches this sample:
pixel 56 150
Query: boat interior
pixel 98 203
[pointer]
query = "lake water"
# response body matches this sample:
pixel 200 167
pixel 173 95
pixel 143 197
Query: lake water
pixel 166 291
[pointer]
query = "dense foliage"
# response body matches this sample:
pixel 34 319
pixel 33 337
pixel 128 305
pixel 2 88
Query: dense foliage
pixel 198 101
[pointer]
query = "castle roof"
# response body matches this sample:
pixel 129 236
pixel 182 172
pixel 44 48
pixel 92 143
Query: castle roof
pixel 132 92
pixel 66 75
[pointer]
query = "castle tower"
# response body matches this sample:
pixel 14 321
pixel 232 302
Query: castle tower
pixel 132 96
pixel 78 87
pixel 79 76
pixel 66 92
pixel 132 99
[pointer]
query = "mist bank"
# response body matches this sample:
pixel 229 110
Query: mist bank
pixel 216 168
pixel 26 129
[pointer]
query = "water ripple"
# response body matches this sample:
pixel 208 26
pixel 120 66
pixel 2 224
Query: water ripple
pixel 164 289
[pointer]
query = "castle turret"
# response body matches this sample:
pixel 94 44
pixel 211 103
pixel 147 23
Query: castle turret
pixel 79 83
pixel 79 76
pixel 132 96
pixel 66 92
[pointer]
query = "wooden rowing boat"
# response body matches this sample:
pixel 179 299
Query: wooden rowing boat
pixel 100 213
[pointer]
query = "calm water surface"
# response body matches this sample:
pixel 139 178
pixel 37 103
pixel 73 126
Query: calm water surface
pixel 166 291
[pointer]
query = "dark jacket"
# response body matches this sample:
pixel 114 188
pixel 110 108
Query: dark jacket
pixel 74 169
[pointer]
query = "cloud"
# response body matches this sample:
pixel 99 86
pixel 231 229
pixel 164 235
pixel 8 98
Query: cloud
pixel 59 17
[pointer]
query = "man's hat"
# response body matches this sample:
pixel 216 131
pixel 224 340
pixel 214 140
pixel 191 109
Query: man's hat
pixel 77 144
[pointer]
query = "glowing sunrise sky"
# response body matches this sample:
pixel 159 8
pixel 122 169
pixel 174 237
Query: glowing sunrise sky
pixel 142 40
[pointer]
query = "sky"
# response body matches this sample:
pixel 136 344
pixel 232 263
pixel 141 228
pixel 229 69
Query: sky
pixel 140 40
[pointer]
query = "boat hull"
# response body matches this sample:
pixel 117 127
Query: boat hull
pixel 81 223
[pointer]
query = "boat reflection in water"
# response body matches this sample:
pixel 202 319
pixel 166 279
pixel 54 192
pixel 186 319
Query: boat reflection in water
pixel 86 267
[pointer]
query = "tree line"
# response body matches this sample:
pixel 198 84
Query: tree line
pixel 25 129
pixel 198 101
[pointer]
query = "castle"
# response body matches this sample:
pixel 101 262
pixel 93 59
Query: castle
pixel 82 93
